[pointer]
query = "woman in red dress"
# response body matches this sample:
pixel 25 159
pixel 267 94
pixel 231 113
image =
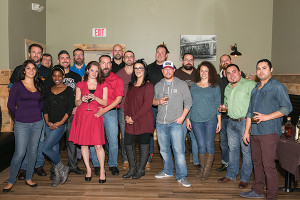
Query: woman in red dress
pixel 87 126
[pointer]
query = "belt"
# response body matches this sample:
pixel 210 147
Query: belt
pixel 239 119
pixel 115 109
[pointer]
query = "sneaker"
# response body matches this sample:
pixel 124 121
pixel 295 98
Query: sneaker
pixel 184 182
pixel 251 194
pixel 162 175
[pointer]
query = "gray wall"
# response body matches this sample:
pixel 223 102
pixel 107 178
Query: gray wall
pixel 23 23
pixel 4 35
pixel 286 32
pixel 142 24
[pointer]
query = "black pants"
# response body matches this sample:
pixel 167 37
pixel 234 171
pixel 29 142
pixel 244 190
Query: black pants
pixel 143 138
pixel 72 155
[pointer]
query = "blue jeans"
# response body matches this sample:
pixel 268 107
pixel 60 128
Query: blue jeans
pixel 224 141
pixel 40 159
pixel 122 130
pixel 151 150
pixel 110 120
pixel 235 132
pixel 193 143
pixel 167 135
pixel 51 145
pixel 205 135
pixel 27 136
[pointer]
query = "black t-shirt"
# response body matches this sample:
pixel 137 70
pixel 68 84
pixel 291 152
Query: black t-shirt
pixel 116 67
pixel 57 105
pixel 43 71
pixel 155 74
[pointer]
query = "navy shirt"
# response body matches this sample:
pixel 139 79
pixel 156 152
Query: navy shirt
pixel 272 97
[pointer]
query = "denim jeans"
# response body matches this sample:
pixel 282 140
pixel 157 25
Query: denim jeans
pixel 110 120
pixel 224 141
pixel 51 145
pixel 154 110
pixel 40 159
pixel 193 144
pixel 167 135
pixel 235 132
pixel 122 130
pixel 205 135
pixel 27 136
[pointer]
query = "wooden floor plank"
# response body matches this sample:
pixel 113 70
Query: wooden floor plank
pixel 146 188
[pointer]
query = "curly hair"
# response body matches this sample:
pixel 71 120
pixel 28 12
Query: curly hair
pixel 213 78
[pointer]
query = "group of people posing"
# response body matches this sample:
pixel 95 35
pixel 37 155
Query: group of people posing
pixel 91 102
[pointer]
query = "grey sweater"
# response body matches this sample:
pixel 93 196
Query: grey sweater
pixel 179 98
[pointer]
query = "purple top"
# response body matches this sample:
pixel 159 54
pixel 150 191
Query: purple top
pixel 24 105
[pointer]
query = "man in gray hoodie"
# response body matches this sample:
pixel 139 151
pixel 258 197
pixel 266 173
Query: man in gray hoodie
pixel 174 101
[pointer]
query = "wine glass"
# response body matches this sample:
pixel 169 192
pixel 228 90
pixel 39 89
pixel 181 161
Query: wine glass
pixel 89 100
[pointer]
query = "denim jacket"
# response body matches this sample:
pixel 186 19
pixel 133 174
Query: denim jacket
pixel 272 97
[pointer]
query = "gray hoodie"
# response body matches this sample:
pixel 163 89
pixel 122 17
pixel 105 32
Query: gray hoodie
pixel 179 98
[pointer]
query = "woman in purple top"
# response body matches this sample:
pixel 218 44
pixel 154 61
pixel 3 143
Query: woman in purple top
pixel 139 118
pixel 25 103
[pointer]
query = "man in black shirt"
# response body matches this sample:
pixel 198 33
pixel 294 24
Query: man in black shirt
pixel 35 52
pixel 117 62
pixel 155 75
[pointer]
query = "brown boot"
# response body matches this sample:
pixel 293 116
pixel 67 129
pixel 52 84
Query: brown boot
pixel 202 163
pixel 207 167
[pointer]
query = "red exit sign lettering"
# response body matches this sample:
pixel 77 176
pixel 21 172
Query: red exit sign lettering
pixel 99 32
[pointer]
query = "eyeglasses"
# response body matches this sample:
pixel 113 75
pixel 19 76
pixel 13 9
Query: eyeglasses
pixel 138 68
pixel 78 55
pixel 127 57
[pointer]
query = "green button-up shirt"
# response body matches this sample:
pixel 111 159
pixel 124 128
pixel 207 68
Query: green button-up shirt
pixel 237 99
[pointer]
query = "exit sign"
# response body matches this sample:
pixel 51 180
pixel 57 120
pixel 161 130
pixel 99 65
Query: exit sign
pixel 99 32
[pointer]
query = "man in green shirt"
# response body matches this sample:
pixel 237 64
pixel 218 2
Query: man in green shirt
pixel 237 98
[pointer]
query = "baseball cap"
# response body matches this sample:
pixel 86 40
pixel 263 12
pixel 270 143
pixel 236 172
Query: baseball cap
pixel 169 64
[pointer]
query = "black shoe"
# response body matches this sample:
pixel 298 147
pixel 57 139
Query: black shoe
pixel 40 171
pixel 102 181
pixel 34 185
pixel 114 171
pixel 7 189
pixel 22 174
pixel 77 171
pixel 97 170
pixel 88 178
pixel 222 168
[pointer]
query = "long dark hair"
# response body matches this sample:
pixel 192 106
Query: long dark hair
pixel 38 84
pixel 133 76
pixel 100 77
pixel 213 78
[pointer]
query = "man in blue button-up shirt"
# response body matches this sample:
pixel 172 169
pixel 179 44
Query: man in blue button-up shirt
pixel 269 103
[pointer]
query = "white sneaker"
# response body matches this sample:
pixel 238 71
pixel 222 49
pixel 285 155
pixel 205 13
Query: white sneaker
pixel 184 182
pixel 162 175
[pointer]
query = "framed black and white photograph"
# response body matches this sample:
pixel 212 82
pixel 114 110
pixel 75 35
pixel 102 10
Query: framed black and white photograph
pixel 203 47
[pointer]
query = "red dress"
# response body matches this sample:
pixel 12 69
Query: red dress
pixel 87 129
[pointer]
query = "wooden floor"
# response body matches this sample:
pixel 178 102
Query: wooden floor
pixel 145 188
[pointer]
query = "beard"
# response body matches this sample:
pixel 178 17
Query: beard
pixel 79 62
pixel 105 75
pixel 118 57
pixel 188 67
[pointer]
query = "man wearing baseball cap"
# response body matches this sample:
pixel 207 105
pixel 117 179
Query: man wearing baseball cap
pixel 173 98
